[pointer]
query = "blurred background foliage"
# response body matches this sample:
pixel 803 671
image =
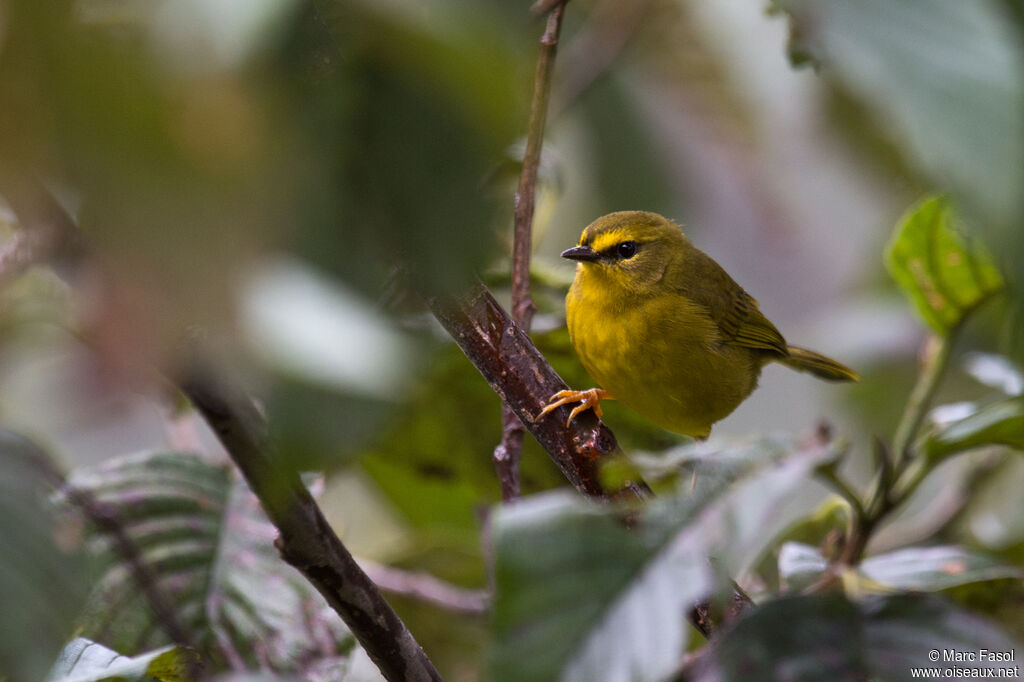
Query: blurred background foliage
pixel 290 175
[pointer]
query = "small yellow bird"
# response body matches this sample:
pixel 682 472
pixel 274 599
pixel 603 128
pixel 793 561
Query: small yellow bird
pixel 665 330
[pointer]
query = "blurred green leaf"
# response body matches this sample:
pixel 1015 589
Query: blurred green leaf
pixel 314 329
pixel 796 557
pixel 581 595
pixel 996 371
pixel 42 572
pixel 929 569
pixel 1000 423
pixel 800 565
pixel 934 568
pixel 945 77
pixel 400 119
pixel 336 364
pixel 83 660
pixel 813 638
pixel 205 537
pixel 943 272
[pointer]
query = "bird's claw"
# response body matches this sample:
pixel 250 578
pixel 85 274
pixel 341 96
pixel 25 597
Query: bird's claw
pixel 588 400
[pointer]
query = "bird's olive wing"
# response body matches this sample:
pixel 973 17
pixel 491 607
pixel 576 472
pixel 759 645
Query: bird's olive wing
pixel 739 319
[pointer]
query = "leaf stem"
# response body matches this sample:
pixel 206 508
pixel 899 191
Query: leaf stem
pixel 842 486
pixel 936 353
pixel 888 493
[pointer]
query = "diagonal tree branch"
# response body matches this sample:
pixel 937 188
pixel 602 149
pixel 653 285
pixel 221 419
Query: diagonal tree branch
pixel 307 541
pixel 516 370
pixel 427 588
pixel 508 452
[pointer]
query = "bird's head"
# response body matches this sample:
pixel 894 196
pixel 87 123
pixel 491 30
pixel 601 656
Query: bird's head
pixel 632 250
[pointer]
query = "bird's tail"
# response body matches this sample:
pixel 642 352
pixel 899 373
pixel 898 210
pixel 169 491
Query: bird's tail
pixel 817 364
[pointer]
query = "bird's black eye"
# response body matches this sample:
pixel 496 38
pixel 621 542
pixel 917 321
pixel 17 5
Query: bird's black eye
pixel 626 250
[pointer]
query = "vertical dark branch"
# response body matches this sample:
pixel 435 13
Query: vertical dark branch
pixel 522 303
pixel 307 541
pixel 507 453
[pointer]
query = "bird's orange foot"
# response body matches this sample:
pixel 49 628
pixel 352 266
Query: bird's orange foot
pixel 588 400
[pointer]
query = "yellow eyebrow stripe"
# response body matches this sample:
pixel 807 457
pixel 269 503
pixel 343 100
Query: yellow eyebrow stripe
pixel 608 239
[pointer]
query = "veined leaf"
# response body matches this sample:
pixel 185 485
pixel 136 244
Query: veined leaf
pixel 83 660
pixel 1001 423
pixel 204 536
pixel 939 267
pixel 582 595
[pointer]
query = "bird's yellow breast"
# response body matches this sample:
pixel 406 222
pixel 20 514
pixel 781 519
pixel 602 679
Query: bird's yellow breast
pixel 661 355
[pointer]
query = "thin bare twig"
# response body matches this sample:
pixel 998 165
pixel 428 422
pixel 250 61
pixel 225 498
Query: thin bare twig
pixel 510 449
pixel 427 588
pixel 545 6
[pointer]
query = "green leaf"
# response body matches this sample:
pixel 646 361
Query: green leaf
pixel 829 637
pixel 934 568
pixel 42 572
pixel 939 267
pixel 205 537
pixel 914 568
pixel 800 565
pixel 581 595
pixel 83 660
pixel 944 77
pixel 996 371
pixel 1001 423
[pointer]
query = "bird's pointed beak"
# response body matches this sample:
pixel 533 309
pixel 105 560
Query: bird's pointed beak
pixel 581 253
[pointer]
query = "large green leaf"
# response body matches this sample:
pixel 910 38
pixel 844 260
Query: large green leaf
pixel 913 568
pixel 42 575
pixel 944 77
pixel 584 594
pixel 938 266
pixel 83 660
pixel 934 568
pixel 1001 423
pixel 828 637
pixel 204 536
